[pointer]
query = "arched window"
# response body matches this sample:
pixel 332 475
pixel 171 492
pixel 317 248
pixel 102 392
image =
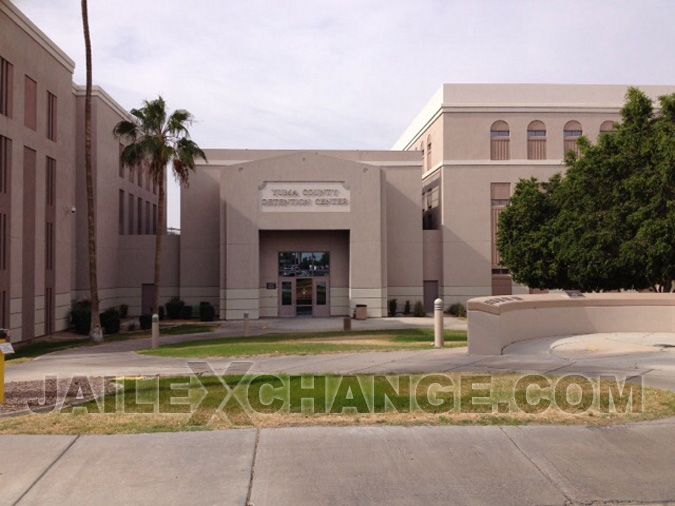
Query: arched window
pixel 499 141
pixel 428 152
pixel 607 126
pixel 536 141
pixel 571 134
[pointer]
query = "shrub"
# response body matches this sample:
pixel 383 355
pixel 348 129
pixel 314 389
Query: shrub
pixel 110 321
pixel 124 310
pixel 132 326
pixel 80 317
pixel 186 312
pixel 419 309
pixel 406 308
pixel 146 321
pixel 457 309
pixel 174 307
pixel 161 313
pixel 393 305
pixel 207 313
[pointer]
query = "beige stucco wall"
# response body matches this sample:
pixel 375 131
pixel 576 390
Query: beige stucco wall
pixel 32 53
pixel 382 227
pixel 495 323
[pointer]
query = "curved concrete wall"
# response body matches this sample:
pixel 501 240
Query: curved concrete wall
pixel 496 322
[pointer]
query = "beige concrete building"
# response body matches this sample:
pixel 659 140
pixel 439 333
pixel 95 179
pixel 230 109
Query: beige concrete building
pixel 269 233
pixel 43 232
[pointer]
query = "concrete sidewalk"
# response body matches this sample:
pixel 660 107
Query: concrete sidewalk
pixel 649 357
pixel 538 465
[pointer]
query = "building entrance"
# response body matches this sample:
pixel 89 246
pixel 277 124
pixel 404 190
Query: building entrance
pixel 304 284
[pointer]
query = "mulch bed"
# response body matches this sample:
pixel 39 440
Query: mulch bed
pixel 23 395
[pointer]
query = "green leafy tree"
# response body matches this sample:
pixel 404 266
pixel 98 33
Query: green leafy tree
pixel 155 140
pixel 609 222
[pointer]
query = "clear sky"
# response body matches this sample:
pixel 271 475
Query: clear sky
pixel 347 74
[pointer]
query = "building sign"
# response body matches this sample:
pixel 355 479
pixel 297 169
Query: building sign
pixel 304 197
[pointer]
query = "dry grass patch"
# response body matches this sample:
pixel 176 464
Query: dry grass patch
pixel 194 403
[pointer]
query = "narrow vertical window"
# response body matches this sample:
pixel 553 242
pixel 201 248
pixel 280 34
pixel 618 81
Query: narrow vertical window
pixel 4 240
pixel 501 280
pixel 5 159
pixel 50 178
pixel 51 116
pixel 6 87
pixel 139 217
pixel 121 213
pixel 139 178
pixel 147 217
pixel 571 134
pixel 500 138
pixel 130 212
pixel 30 103
pixel 536 141
pixel 154 218
pixel 119 161
pixel 429 152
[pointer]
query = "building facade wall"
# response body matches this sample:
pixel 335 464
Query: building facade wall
pixel 37 133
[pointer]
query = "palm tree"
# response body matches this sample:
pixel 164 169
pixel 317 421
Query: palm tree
pixel 95 333
pixel 154 140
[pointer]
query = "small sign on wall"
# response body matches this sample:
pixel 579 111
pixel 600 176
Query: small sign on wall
pixel 305 197
pixel 271 286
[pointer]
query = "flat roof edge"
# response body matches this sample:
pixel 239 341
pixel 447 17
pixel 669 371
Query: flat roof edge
pixel 38 35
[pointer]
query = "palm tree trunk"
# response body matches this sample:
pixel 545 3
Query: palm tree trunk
pixel 95 333
pixel 161 230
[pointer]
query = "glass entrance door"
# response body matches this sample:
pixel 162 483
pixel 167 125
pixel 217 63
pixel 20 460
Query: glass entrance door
pixel 303 296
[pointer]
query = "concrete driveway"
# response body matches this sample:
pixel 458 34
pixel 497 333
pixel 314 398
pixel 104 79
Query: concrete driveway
pixel 538 465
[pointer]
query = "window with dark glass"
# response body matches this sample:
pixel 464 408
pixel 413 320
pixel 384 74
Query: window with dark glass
pixel 304 264
pixel 51 116
pixel 6 84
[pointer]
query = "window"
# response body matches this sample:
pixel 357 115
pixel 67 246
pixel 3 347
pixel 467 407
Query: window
pixel 154 218
pixel 429 152
pixel 49 246
pixel 119 161
pixel 121 213
pixel 500 136
pixel 304 265
pixel 139 178
pixel 139 217
pixel 148 180
pixel 51 116
pixel 571 134
pixel 154 186
pixel 50 185
pixel 5 164
pixel 608 127
pixel 499 198
pixel 431 206
pixel 4 241
pixel 30 104
pixel 6 87
pixel 536 141
pixel 147 217
pixel 130 212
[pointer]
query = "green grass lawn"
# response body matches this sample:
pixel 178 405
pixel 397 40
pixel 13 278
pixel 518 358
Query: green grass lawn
pixel 192 403
pixel 309 343
pixel 28 351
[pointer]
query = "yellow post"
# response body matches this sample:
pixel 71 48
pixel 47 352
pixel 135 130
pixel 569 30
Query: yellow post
pixel 2 375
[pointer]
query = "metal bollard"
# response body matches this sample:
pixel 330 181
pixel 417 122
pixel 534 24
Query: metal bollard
pixel 247 327
pixel 155 331
pixel 347 324
pixel 439 338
